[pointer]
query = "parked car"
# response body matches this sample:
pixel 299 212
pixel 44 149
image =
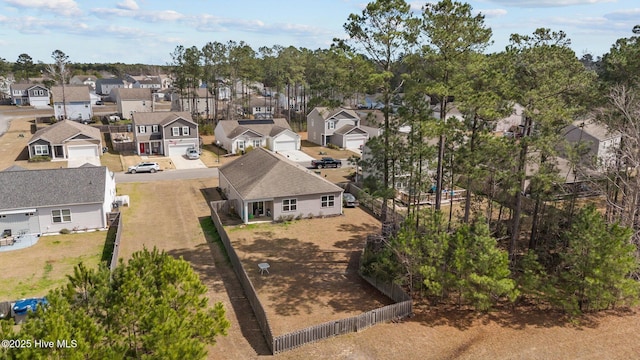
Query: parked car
pixel 144 167
pixel 25 305
pixel 193 153
pixel 348 200
pixel 326 162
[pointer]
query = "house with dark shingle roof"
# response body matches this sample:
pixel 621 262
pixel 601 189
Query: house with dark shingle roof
pixel 29 94
pixel 66 140
pixel 47 201
pixel 165 133
pixel 337 126
pixel 261 183
pixel 275 134
pixel 72 102
pixel 104 86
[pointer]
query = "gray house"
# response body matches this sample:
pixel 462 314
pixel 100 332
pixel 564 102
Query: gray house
pixel 164 133
pixel 47 201
pixel 130 101
pixel 29 94
pixel 66 140
pixel 105 86
pixel 262 183
pixel 338 126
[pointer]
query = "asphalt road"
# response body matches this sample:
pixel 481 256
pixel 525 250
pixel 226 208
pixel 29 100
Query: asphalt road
pixel 173 174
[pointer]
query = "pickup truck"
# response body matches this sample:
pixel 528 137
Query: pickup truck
pixel 326 162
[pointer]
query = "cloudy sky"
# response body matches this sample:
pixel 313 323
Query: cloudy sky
pixel 147 31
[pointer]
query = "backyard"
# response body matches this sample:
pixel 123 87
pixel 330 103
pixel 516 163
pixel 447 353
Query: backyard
pixel 313 274
pixel 33 271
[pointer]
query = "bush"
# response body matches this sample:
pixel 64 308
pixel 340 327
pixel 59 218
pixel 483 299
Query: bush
pixel 65 231
pixel 206 129
pixel 333 146
pixel 40 158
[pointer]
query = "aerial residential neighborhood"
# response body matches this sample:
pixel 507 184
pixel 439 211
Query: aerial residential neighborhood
pixel 409 191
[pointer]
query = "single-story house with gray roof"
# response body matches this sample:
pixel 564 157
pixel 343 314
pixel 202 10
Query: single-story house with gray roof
pixel 264 184
pixel 47 201
pixel 275 134
pixel 66 140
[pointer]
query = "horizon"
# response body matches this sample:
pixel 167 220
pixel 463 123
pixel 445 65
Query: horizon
pixel 145 32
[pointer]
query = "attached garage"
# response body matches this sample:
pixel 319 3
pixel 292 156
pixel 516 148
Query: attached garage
pixel 179 149
pixel 284 145
pixel 355 142
pixel 82 151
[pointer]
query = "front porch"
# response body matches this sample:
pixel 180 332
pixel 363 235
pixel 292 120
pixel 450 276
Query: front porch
pixel 151 147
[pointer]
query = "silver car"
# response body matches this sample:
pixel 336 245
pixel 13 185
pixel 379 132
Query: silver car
pixel 193 153
pixel 144 167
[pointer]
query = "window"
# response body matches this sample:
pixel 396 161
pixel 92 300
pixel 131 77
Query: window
pixel 240 144
pixel 60 216
pixel 256 143
pixel 175 131
pixel 142 129
pixel 289 205
pixel 40 149
pixel 331 124
pixel 154 128
pixel 185 130
pixel 258 109
pixel 328 201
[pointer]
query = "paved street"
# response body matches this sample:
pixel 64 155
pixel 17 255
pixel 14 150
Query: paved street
pixel 185 174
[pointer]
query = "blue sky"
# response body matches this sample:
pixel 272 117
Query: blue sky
pixel 147 31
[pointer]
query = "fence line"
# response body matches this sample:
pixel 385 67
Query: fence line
pixel 117 221
pixel 247 286
pixel 401 309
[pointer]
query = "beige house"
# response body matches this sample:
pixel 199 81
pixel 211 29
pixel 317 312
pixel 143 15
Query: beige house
pixel 265 184
pixel 66 140
pixel 130 101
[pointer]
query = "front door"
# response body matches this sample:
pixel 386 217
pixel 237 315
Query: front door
pixel 141 148
pixel 258 208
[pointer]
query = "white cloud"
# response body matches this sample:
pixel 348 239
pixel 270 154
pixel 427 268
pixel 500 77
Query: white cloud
pixel 548 3
pixel 128 5
pixel 61 7
pixel 148 16
pixel 493 13
pixel 624 15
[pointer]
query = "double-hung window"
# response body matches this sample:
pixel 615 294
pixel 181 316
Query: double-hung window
pixel 154 128
pixel 175 131
pixel 40 149
pixel 142 129
pixel 61 216
pixel 328 201
pixel 185 130
pixel 289 205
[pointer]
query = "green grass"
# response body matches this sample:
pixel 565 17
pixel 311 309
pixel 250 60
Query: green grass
pixel 212 236
pixel 43 267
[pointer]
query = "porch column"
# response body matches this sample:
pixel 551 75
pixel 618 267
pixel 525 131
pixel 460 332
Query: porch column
pixel 245 212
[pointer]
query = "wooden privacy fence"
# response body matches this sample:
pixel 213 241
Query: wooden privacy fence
pixel 247 286
pixel 348 325
pixel 117 223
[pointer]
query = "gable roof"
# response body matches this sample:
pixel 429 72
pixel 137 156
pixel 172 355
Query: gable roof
pixel 133 93
pixel 71 93
pixel 327 113
pixel 110 81
pixel 160 117
pixel 234 128
pixel 262 174
pixel 64 130
pixel 52 187
pixel 347 129
pixel 26 86
pixel 600 132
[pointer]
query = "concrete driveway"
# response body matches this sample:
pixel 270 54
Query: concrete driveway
pixel 296 156
pixel 77 162
pixel 181 162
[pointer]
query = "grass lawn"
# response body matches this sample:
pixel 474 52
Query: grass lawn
pixel 34 271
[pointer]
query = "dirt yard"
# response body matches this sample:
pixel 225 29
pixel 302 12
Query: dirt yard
pixel 313 275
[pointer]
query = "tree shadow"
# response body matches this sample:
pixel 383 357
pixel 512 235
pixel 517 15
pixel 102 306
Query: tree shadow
pixel 211 262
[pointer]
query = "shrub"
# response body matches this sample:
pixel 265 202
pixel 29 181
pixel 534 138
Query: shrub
pixel 206 129
pixel 40 158
pixel 65 231
pixel 333 146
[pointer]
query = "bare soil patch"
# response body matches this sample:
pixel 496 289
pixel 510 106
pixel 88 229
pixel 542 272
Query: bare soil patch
pixel 313 276
pixel 315 150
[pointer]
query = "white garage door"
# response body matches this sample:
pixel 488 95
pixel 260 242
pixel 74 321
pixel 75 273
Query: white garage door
pixel 355 143
pixel 284 145
pixel 82 151
pixel 179 149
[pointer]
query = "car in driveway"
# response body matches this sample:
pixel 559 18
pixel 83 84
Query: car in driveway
pixel 193 153
pixel 31 304
pixel 348 200
pixel 144 167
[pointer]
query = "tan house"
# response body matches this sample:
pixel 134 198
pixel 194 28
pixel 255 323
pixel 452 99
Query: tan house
pixel 264 184
pixel 66 140
pixel 130 101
